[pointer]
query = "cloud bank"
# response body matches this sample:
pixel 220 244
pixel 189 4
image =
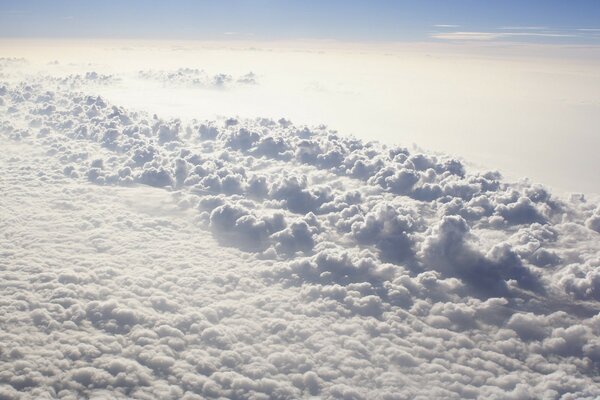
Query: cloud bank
pixel 193 77
pixel 255 259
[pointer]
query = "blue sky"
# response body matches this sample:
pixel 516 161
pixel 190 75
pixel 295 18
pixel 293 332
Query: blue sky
pixel 566 21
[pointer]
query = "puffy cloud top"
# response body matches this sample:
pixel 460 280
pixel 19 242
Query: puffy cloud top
pixel 256 259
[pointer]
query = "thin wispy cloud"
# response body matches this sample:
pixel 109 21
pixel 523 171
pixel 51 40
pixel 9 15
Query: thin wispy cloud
pixel 523 28
pixel 539 34
pixel 470 35
pixel 232 34
pixel 515 32
pixel 465 36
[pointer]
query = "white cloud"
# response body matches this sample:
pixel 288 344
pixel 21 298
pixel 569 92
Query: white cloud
pixel 239 258
pixel 524 28
pixel 193 77
pixel 472 35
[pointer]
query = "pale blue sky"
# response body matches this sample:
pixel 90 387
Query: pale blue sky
pixel 547 21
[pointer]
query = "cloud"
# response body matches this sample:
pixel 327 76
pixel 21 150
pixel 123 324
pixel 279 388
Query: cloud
pixel 446 249
pixel 593 222
pixel 193 77
pixel 251 258
pixel 523 28
pixel 79 81
pixel 487 36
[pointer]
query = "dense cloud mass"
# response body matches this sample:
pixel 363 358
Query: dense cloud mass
pixel 257 259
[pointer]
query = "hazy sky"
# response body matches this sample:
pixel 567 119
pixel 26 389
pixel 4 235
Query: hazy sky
pixel 553 21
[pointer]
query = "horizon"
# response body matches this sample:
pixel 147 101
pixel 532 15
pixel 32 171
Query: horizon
pixel 555 87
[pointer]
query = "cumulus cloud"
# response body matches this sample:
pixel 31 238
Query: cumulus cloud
pixel 251 258
pixel 78 81
pixel 447 250
pixel 193 77
pixel 593 222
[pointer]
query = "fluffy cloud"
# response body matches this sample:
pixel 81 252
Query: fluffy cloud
pixel 593 222
pixel 146 258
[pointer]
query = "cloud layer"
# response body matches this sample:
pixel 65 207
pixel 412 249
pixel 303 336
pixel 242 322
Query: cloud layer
pixel 193 77
pixel 256 259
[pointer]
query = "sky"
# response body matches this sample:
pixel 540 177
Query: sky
pixel 549 21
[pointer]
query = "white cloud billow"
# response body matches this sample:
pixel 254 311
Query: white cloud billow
pixel 255 259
